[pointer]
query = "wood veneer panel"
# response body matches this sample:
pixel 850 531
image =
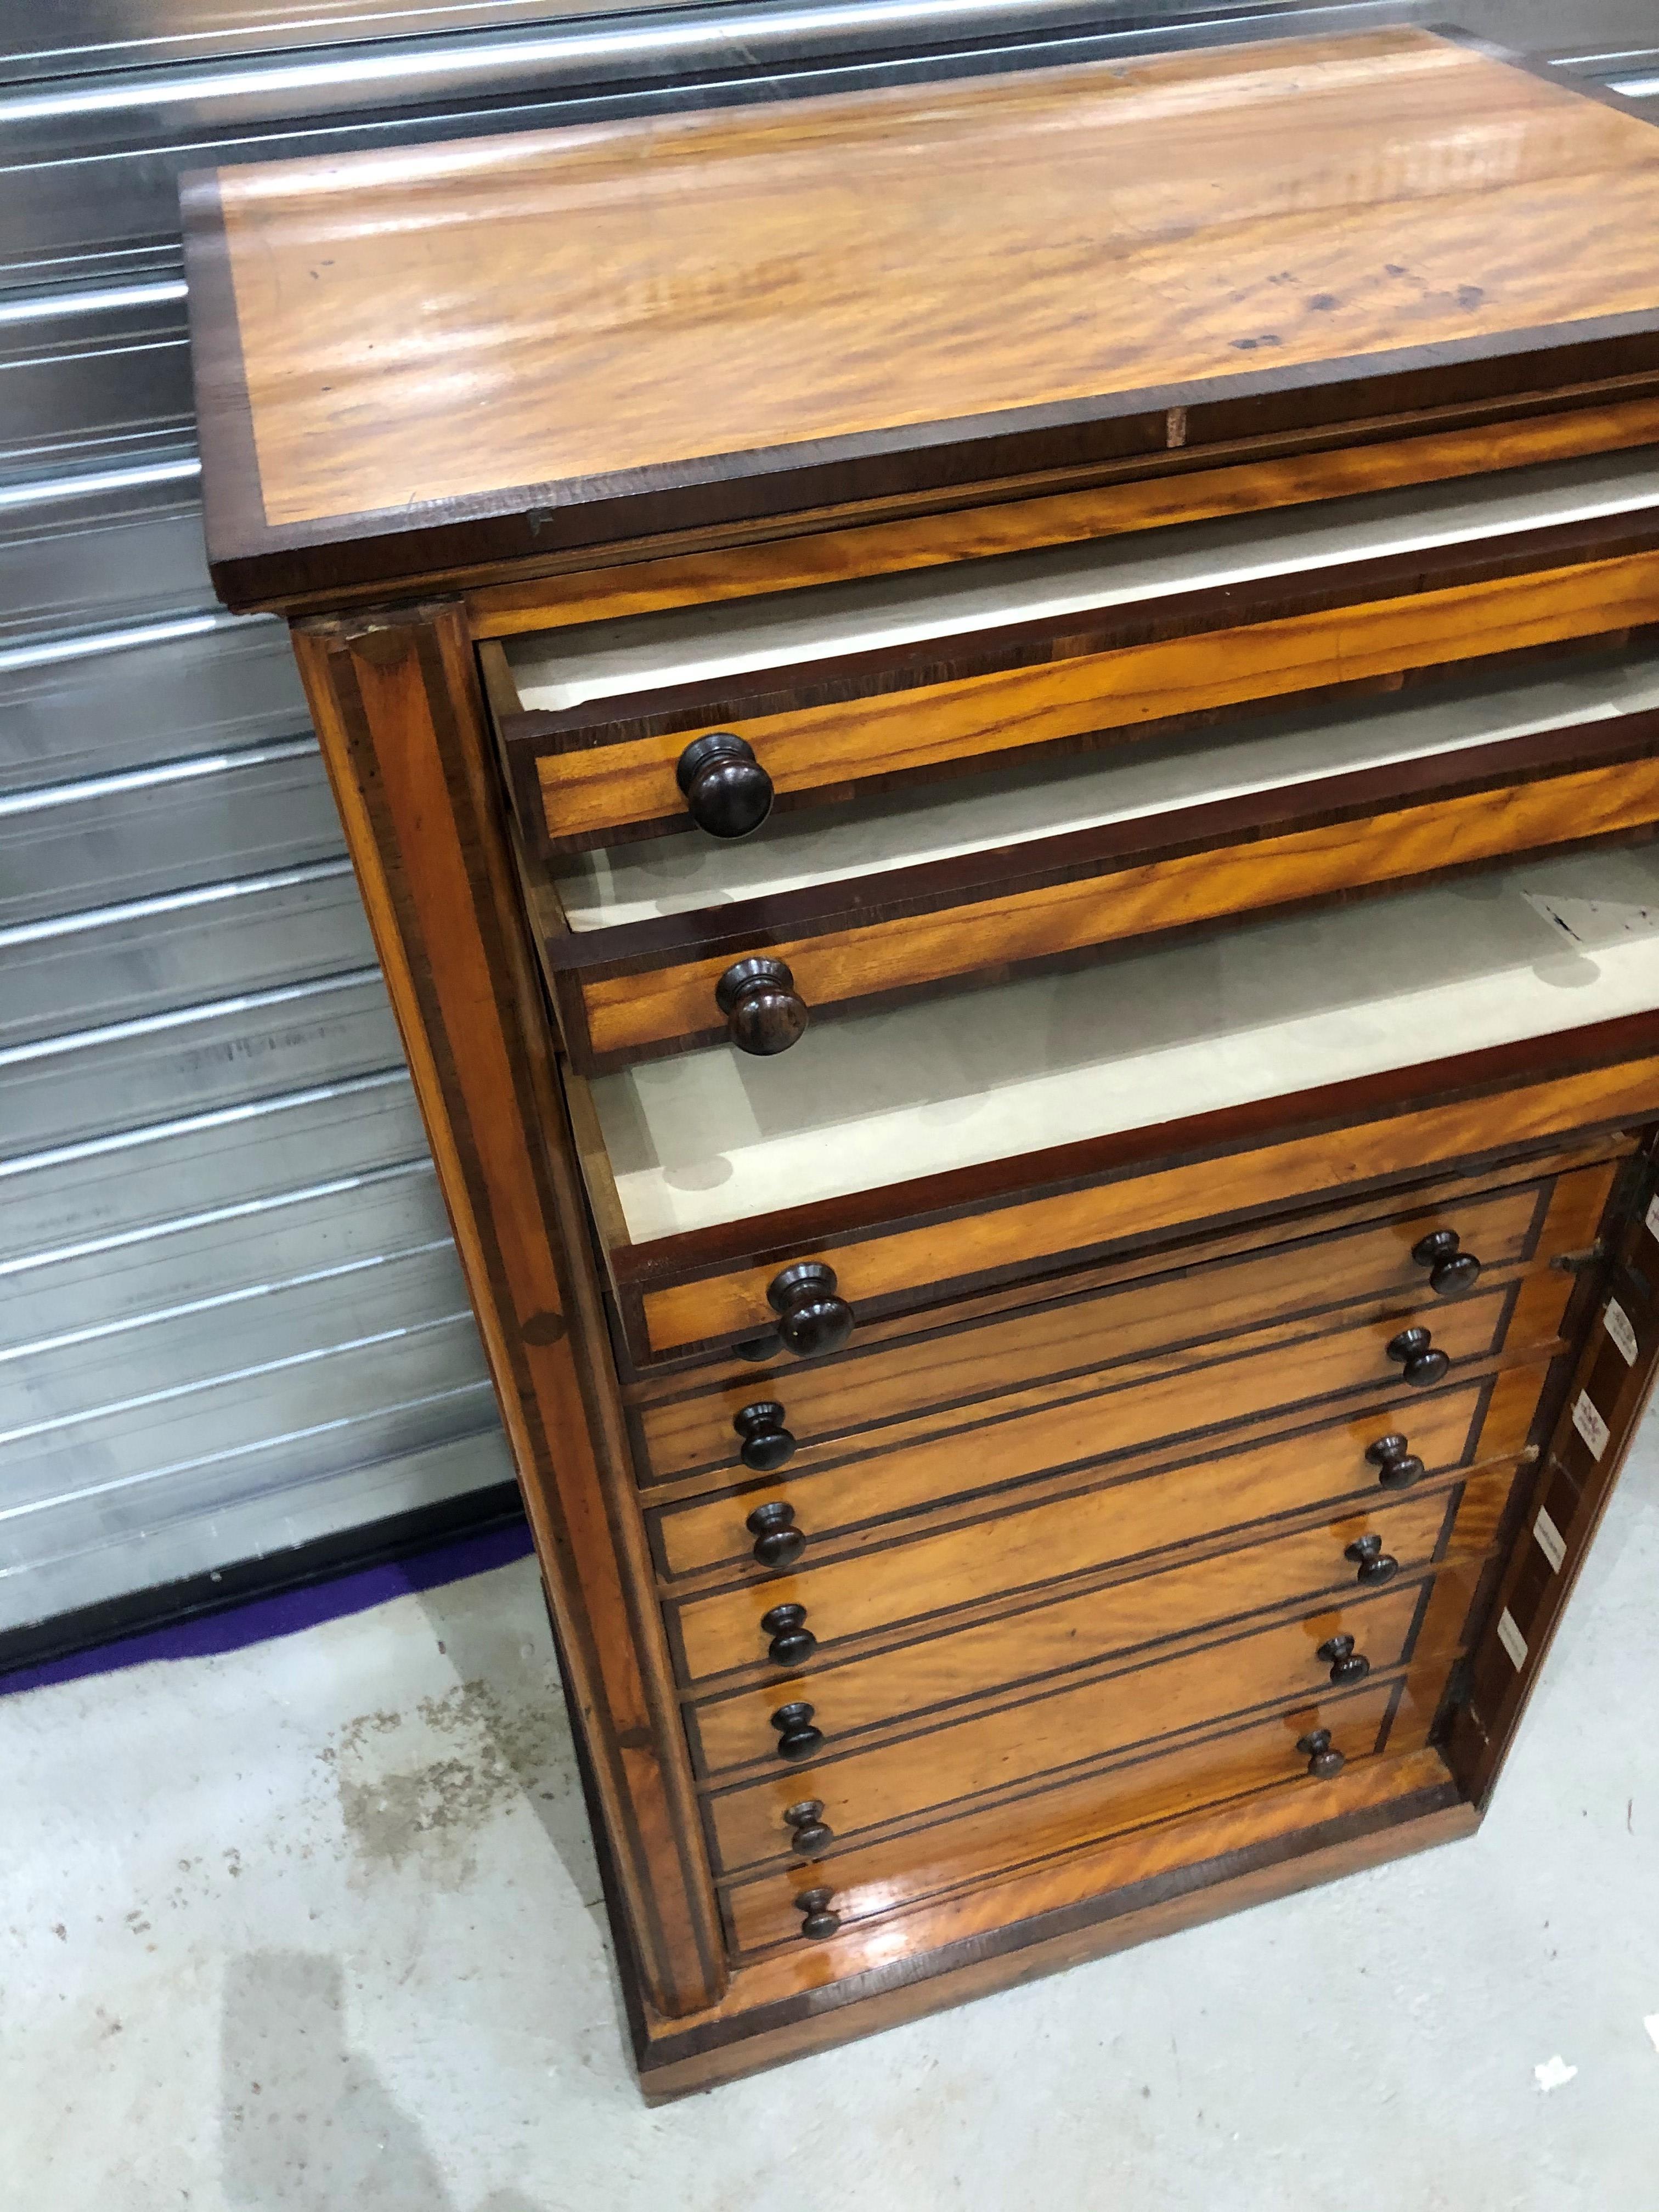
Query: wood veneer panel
pixel 1017 525
pixel 882 1878
pixel 1230 1494
pixel 1604 1394
pixel 938 1665
pixel 402 734
pixel 593 286
pixel 595 791
pixel 653 1008
pixel 1137 1195
pixel 954 1762
pixel 683 1437
pixel 1086 1420
pixel 993 1934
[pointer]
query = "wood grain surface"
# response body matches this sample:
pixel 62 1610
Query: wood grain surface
pixel 1008 524
pixel 892 724
pixel 823 1401
pixel 877 1878
pixel 650 305
pixel 1143 1188
pixel 939 1664
pixel 1088 1419
pixel 950 1763
pixel 1205 865
pixel 404 735
pixel 1078 1537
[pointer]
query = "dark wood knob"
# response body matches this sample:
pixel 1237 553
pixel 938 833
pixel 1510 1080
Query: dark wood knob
pixel 811 1319
pixel 757 1348
pixel 763 1012
pixel 1346 1665
pixel 818 1921
pixel 1398 1466
pixel 727 792
pixel 777 1540
pixel 1415 1351
pixel 1450 1271
pixel 766 1444
pixel 1325 1761
pixel 807 1834
pixel 792 1641
pixel 796 1737
pixel 1375 1565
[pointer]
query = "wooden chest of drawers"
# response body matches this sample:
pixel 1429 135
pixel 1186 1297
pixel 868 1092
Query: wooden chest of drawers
pixel 1000 741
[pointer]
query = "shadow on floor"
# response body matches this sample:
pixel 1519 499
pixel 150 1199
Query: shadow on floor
pixel 495 1631
pixel 306 2124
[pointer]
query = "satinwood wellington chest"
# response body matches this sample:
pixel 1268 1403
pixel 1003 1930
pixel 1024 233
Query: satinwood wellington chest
pixel 1001 740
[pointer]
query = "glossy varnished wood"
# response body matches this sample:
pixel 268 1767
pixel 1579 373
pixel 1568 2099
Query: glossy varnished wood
pixel 1127 1514
pixel 687 1439
pixel 887 730
pixel 896 262
pixel 1001 521
pixel 1139 1187
pixel 881 1878
pixel 935 1665
pixel 403 735
pixel 643 988
pixel 1047 1426
pixel 1007 1748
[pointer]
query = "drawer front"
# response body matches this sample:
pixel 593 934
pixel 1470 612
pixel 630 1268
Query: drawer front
pixel 587 776
pixel 930 1672
pixel 1012 1439
pixel 926 1769
pixel 1132 1200
pixel 624 995
pixel 876 1878
pixel 873 1590
pixel 824 1402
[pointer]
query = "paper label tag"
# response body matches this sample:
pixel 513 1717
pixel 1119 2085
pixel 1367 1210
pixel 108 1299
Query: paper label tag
pixel 1511 1639
pixel 1590 1426
pixel 1616 1321
pixel 1550 1541
pixel 1653 1217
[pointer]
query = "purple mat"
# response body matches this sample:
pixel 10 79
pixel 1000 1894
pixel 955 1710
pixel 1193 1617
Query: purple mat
pixel 285 1615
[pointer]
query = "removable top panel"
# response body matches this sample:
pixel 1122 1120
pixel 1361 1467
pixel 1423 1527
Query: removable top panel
pixel 512 347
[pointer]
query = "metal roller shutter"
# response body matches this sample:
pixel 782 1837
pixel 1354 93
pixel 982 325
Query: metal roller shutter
pixel 231 1319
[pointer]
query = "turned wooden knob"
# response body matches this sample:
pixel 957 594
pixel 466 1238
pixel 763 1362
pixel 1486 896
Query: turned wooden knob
pixel 819 1921
pixel 1375 1565
pixel 1347 1665
pixel 778 1542
pixel 811 1319
pixel 1415 1351
pixel 763 1014
pixel 766 1444
pixel 792 1641
pixel 727 792
pixel 796 1737
pixel 1398 1466
pixel 807 1834
pixel 1325 1761
pixel 1450 1271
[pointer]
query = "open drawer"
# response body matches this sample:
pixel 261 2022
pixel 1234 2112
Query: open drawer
pixel 608 727
pixel 656 947
pixel 1003 1133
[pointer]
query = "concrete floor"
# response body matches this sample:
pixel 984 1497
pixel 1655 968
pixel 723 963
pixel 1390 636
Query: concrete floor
pixel 316 1927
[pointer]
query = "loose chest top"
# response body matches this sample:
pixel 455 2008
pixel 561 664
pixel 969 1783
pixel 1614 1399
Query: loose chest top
pixel 426 359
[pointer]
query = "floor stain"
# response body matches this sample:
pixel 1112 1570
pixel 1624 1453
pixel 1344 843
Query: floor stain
pixel 394 1810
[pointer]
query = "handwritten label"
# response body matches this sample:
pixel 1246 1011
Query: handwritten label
pixel 1550 1541
pixel 1590 1426
pixel 1653 1217
pixel 1511 1639
pixel 1616 1321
